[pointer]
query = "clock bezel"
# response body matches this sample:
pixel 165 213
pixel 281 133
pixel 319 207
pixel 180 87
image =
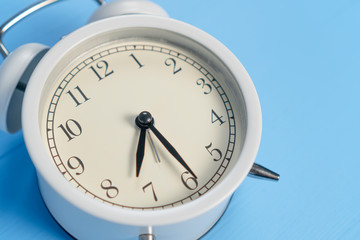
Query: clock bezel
pixel 221 192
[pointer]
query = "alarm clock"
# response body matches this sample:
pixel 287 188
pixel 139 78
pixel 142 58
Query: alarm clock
pixel 139 126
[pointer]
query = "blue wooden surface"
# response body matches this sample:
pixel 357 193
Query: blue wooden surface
pixel 304 59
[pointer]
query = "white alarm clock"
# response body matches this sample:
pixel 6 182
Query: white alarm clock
pixel 139 126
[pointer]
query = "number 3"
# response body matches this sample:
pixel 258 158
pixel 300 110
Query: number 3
pixel 201 81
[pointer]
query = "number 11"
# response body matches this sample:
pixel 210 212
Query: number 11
pixel 79 93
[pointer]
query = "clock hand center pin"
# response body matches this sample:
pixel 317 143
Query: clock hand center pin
pixel 144 120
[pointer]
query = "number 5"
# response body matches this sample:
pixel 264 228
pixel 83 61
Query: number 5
pixel 214 151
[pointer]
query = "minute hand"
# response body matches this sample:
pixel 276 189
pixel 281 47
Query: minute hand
pixel 171 149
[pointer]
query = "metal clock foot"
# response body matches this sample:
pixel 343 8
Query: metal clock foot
pixel 146 237
pixel 262 172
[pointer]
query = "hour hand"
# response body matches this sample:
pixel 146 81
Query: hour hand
pixel 140 151
pixel 142 121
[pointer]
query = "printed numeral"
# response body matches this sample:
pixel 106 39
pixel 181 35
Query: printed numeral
pixel 207 87
pixel 214 152
pixel 71 129
pixel 80 96
pixel 189 182
pixel 102 70
pixel 171 62
pixel 75 163
pixel 152 188
pixel 111 191
pixel 215 117
pixel 137 61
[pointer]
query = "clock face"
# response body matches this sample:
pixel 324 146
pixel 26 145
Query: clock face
pixel 88 123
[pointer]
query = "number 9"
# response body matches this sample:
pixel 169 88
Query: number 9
pixel 75 163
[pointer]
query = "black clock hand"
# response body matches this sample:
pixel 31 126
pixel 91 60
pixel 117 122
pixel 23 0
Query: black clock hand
pixel 140 150
pixel 171 149
pixel 144 121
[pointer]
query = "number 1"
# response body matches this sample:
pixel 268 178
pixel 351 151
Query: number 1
pixel 137 61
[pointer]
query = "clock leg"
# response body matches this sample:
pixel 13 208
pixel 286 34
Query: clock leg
pixel 262 172
pixel 146 237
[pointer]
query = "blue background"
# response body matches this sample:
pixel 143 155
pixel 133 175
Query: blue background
pixel 304 59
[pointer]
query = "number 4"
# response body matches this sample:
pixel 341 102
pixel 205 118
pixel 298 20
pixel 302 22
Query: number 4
pixel 215 117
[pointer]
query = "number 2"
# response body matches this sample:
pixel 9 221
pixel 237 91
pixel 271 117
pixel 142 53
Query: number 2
pixel 171 62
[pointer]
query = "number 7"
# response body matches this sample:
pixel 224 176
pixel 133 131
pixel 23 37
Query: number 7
pixel 152 187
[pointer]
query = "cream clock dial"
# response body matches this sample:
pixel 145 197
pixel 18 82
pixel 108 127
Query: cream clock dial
pixel 89 124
